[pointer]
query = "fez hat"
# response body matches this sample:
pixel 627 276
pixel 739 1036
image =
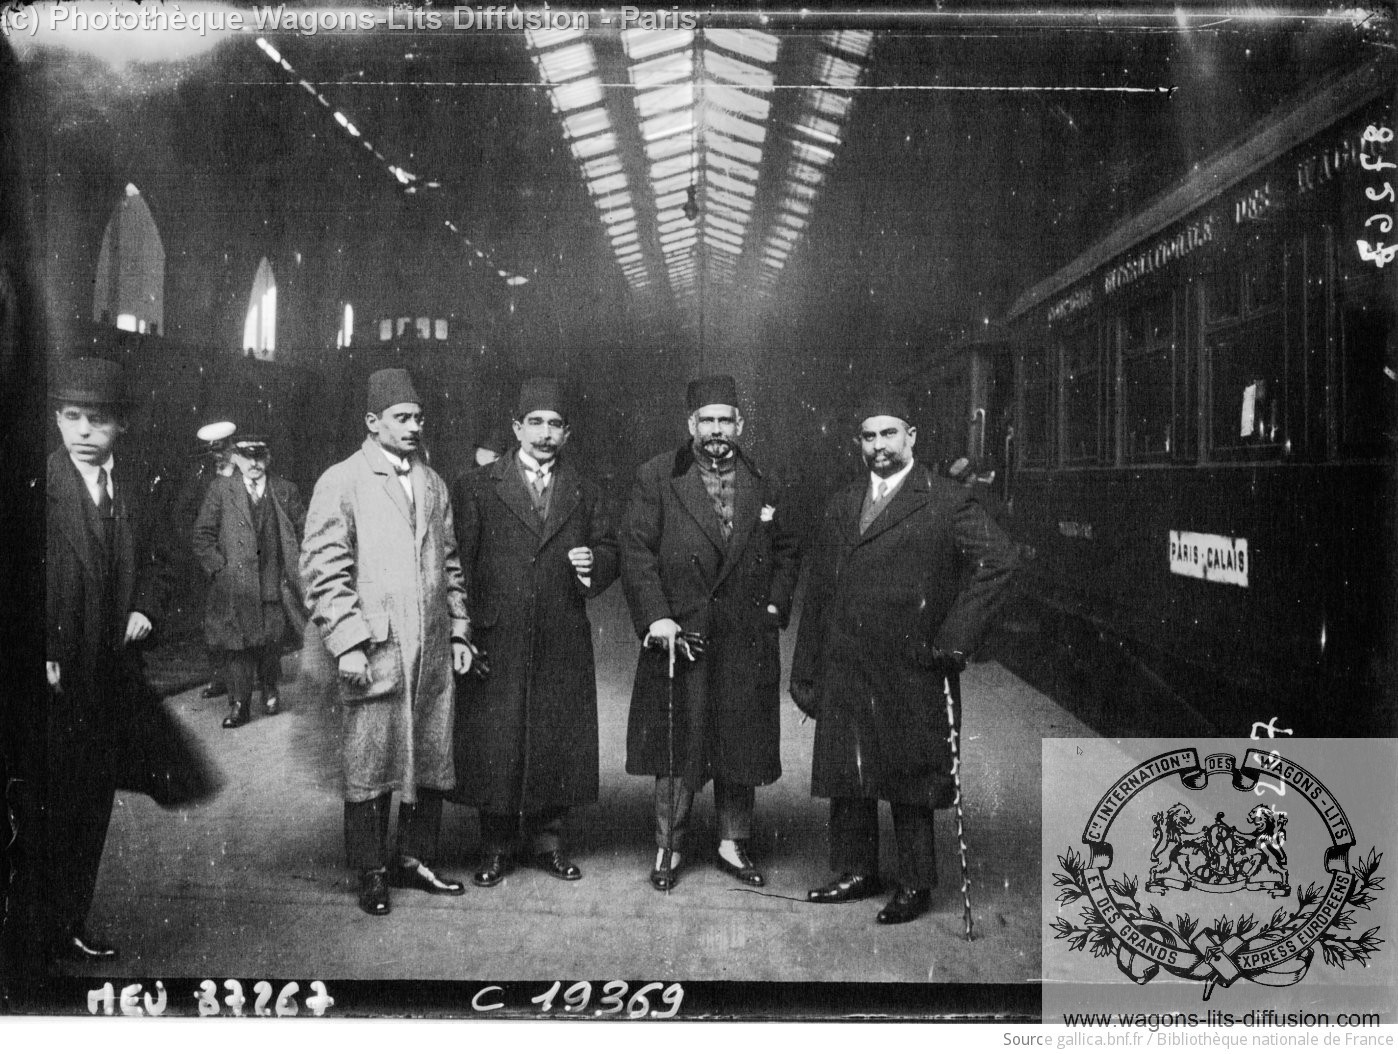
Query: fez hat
pixel 882 401
pixel 389 388
pixel 493 439
pixel 89 382
pixel 717 390
pixel 540 393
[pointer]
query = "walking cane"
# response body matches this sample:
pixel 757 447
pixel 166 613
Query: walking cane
pixel 953 740
pixel 670 721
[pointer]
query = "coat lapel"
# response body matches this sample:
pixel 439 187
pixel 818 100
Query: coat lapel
pixel 912 495
pixel 747 497
pixel 510 485
pixel 388 480
pixel 565 499
pixel 68 516
pixel 694 496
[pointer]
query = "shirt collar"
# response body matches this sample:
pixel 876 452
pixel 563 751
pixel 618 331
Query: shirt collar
pixel 400 465
pixel 534 466
pixel 893 480
pixel 89 472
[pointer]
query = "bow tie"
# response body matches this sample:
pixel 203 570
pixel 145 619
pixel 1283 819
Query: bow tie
pixel 402 469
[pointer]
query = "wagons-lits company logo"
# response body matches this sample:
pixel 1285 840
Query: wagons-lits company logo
pixel 1300 830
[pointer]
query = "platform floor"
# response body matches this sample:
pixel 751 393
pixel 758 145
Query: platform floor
pixel 252 884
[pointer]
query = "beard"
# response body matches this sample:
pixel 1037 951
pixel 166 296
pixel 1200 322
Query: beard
pixel 885 463
pixel 717 448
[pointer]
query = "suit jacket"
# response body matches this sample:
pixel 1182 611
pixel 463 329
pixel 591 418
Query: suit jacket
pixel 676 564
pixel 226 545
pixel 926 577
pixel 385 577
pixel 526 737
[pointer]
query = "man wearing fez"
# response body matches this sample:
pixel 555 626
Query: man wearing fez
pixel 384 585
pixel 888 621
pixel 108 582
pixel 535 546
pixel 248 541
pixel 709 568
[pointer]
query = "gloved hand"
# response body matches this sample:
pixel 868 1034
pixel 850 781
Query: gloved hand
pixel 480 663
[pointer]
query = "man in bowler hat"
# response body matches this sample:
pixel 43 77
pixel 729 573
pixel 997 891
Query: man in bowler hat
pixel 248 542
pixel 384 584
pixel 709 566
pixel 535 546
pixel 108 582
pixel 908 571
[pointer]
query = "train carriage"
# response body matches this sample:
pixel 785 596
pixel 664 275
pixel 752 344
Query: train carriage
pixel 1199 440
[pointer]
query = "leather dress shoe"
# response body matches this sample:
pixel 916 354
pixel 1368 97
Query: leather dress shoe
pixel 237 715
pixel 271 704
pixel 906 905
pixel 420 876
pixel 666 874
pixel 745 870
pixel 213 690
pixel 493 870
pixel 373 892
pixel 81 947
pixel 846 888
pixel 553 862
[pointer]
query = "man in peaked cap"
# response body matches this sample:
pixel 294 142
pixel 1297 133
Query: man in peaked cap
pixel 108 582
pixel 535 545
pixel 709 567
pixel 384 585
pixel 885 631
pixel 247 539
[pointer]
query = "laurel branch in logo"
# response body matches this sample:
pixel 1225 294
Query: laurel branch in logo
pixel 1218 859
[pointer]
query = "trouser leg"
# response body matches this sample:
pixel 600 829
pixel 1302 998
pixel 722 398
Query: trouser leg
pixel 499 833
pixel 366 833
pixel 673 802
pixel 420 827
pixel 545 830
pixel 241 674
pixel 218 663
pixel 80 810
pixel 269 668
pixel 733 806
pixel 854 836
pixel 917 856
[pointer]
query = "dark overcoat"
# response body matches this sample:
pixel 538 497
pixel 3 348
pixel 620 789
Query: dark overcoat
pixel 878 608
pixel 384 576
pixel 526 736
pixel 676 564
pixel 225 543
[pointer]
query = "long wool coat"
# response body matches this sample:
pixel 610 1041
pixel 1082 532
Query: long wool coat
pixel 526 737
pixel 676 564
pixel 225 543
pixel 374 580
pixel 877 605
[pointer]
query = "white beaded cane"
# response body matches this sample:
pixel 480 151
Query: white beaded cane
pixel 953 740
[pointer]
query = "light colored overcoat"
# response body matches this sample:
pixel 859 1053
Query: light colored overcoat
pixel 382 576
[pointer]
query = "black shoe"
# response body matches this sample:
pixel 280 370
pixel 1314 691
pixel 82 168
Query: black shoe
pixel 745 871
pixel 667 871
pixel 238 715
pixel 271 704
pixel 846 888
pixel 553 862
pixel 82 948
pixel 493 870
pixel 373 892
pixel 906 905
pixel 214 690
pixel 420 876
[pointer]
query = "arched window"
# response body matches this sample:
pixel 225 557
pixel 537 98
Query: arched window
pixel 130 287
pixel 260 325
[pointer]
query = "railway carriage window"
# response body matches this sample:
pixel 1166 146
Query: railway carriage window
pixel 1248 362
pixel 1038 438
pixel 1147 412
pixel 1367 392
pixel 1082 397
pixel 1223 299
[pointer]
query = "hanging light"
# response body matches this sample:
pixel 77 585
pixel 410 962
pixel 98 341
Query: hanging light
pixel 691 204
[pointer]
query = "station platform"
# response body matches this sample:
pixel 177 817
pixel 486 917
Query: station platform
pixel 253 883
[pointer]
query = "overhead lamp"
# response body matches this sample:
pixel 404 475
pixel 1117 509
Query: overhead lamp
pixel 691 204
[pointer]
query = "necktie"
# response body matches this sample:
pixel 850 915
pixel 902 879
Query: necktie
pixel 883 490
pixel 541 483
pixel 104 499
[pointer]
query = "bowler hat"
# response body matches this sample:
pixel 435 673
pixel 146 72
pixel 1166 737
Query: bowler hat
pixel 389 388
pixel 540 393
pixel 882 401
pixel 89 382
pixel 716 390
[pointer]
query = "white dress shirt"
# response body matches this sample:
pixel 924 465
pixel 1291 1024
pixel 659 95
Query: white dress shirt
pixel 89 474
